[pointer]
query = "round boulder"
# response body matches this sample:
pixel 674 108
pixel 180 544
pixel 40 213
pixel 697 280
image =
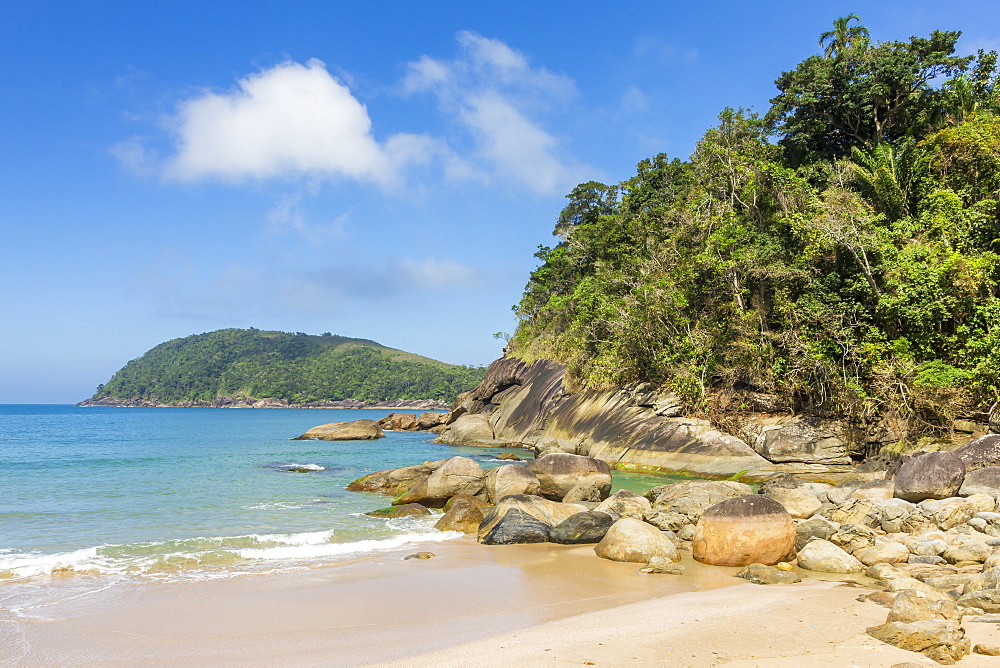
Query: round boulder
pixel 825 557
pixel 458 475
pixel 745 530
pixel 560 472
pixel 933 475
pixel 633 540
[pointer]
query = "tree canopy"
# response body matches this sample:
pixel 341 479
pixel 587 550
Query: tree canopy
pixel 298 368
pixel 838 254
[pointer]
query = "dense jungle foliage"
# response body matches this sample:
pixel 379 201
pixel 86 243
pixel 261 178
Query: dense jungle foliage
pixel 837 255
pixel 298 368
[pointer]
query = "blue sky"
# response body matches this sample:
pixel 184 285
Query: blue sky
pixel 378 170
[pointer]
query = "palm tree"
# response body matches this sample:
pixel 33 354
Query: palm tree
pixel 844 37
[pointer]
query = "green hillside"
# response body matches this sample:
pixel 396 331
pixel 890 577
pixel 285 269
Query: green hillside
pixel 837 254
pixel 297 368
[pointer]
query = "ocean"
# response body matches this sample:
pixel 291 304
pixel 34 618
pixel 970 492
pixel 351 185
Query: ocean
pixel 104 497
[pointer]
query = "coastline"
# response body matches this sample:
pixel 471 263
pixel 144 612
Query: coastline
pixel 471 605
pixel 251 402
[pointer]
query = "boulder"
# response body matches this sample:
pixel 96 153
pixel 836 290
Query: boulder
pixel 893 512
pixel 477 501
pixel 926 546
pixel 587 527
pixel 469 429
pixel 463 516
pixel 431 419
pixel 984 503
pixel 799 503
pixel 633 540
pixel 405 510
pixel 359 430
pixel 515 527
pixel 509 479
pixel 560 472
pixel 980 452
pixel 982 481
pixel 763 574
pixel 662 566
pixel 967 550
pixel 815 527
pixel 953 512
pixel 802 439
pixel 883 553
pixel 587 489
pixel 854 537
pixel 548 512
pixel 692 497
pixel 856 511
pixel 933 475
pixel 667 521
pixel 825 557
pixel 943 641
pixel 987 600
pixel 399 422
pixel 394 481
pixel 458 475
pixel 744 530
pixel 625 503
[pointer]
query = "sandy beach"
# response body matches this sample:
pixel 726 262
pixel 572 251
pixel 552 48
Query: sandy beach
pixel 471 605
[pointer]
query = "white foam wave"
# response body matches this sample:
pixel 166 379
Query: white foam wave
pixel 26 564
pixel 303 467
pixel 305 538
pixel 319 551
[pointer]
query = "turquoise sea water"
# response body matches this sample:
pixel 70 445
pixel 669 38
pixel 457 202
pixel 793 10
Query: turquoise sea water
pixel 109 496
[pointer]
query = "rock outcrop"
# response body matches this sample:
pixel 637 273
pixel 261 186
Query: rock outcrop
pixel 560 472
pixel 394 481
pixel 359 430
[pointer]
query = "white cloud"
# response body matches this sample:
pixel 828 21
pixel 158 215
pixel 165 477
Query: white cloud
pixel 494 93
pixel 287 218
pixel 290 119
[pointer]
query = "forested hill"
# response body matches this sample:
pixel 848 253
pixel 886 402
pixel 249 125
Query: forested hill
pixel 297 368
pixel 837 254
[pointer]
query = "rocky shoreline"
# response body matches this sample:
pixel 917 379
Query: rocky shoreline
pixel 251 402
pixel 922 535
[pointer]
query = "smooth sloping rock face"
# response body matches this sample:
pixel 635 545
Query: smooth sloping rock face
pixel 470 429
pixel 942 641
pixel 462 516
pixel 559 472
pixel 799 503
pixel 911 605
pixel 624 503
pixel 510 479
pixel 359 430
pixel 693 497
pixel 458 475
pixel 548 512
pixel 767 575
pixel 825 557
pixel 635 541
pixel 745 530
pixel 514 527
pixel 980 452
pixel 395 481
pixel 982 481
pixel 934 475
pixel 586 527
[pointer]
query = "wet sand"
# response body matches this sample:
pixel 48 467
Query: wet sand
pixel 471 605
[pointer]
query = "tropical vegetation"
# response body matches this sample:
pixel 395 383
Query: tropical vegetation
pixel 298 368
pixel 836 255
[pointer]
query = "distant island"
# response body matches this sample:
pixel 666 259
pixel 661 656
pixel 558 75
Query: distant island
pixel 269 369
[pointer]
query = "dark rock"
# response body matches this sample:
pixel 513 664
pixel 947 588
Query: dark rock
pixel 406 510
pixel 763 574
pixel 516 526
pixel 934 475
pixel 545 511
pixel 745 530
pixel 585 527
pixel 633 540
pixel 980 452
